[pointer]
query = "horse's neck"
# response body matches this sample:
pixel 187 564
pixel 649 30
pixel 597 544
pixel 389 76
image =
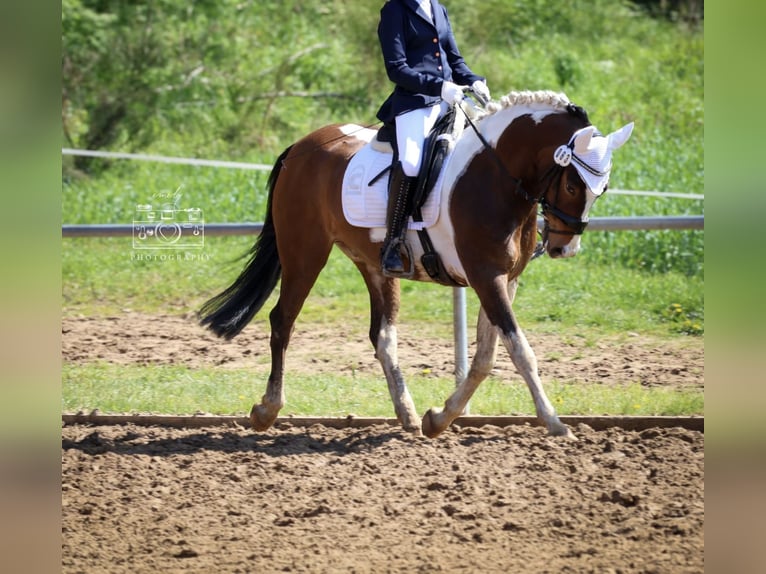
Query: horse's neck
pixel 491 127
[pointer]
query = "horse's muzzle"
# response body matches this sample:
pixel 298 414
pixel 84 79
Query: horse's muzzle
pixel 555 249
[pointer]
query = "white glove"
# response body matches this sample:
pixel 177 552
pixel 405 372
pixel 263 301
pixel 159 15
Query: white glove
pixel 480 89
pixel 451 93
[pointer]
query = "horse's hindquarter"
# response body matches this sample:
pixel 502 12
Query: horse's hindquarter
pixel 307 196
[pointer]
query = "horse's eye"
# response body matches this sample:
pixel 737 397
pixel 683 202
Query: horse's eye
pixel 571 189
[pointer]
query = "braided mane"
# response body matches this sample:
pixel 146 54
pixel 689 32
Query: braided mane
pixel 539 100
pixel 556 100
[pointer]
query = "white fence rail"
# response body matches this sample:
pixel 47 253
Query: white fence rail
pixel 166 159
pixel 265 167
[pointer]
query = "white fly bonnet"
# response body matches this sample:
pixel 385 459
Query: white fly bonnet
pixel 591 153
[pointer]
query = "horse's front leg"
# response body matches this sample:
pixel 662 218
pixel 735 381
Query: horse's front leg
pixel 525 361
pixel 437 420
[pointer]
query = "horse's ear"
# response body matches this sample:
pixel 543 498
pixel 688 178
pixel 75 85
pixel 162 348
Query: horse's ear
pixel 582 139
pixel 616 139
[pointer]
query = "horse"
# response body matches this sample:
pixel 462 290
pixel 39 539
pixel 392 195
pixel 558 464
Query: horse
pixel 526 149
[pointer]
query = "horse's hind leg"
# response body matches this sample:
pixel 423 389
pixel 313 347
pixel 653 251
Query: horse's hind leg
pixel 263 415
pixel 437 420
pixel 294 289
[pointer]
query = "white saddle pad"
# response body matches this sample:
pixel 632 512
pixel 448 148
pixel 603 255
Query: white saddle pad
pixel 364 205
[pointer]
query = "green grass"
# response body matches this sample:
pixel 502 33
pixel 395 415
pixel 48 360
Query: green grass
pixel 179 390
pixel 105 276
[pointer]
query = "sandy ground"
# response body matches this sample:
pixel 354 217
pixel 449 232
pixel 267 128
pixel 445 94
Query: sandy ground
pixel 139 499
pixel 139 339
pixel 316 500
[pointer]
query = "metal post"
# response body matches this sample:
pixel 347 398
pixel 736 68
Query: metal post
pixel 461 337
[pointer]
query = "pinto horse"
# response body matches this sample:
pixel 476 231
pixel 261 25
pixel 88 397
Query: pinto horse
pixel 527 149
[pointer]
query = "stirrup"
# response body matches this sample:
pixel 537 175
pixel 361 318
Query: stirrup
pixel 408 272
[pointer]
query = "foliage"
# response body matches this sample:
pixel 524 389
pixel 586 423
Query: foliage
pixel 107 276
pixel 222 77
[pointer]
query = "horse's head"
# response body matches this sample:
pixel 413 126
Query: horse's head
pixel 577 175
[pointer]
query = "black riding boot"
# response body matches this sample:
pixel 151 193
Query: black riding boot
pixel 399 200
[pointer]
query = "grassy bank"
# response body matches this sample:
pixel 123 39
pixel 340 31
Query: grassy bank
pixel 178 390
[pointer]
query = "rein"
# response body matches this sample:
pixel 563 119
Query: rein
pixel 575 224
pixel 519 189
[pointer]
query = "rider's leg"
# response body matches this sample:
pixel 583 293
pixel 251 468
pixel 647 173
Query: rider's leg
pixel 399 199
pixel 411 130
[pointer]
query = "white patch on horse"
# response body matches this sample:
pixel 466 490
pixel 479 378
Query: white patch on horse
pixel 538 117
pixel 571 249
pixel 359 132
pixel 387 345
pixel 377 234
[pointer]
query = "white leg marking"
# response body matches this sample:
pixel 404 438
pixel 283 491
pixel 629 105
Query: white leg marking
pixel 400 394
pixel 436 419
pixel 525 361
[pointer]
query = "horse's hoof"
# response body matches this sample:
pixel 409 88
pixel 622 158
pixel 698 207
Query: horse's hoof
pixel 430 427
pixel 562 430
pixel 410 423
pixel 261 420
pixel 415 431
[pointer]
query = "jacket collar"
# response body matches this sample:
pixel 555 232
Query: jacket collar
pixel 414 5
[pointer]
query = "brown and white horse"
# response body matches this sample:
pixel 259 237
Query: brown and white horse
pixel 528 148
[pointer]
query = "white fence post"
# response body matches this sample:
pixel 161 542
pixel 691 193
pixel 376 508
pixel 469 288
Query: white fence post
pixel 461 338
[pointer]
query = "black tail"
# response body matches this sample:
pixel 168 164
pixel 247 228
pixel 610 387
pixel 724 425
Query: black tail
pixel 227 313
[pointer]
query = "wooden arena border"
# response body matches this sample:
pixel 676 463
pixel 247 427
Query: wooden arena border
pixel 198 421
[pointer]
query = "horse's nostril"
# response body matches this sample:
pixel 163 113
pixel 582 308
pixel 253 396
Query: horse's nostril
pixel 555 252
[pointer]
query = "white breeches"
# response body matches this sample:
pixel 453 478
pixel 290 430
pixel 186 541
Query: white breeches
pixel 411 130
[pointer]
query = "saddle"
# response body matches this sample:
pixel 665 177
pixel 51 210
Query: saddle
pixel 435 149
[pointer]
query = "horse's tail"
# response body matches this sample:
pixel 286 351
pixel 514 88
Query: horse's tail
pixel 227 313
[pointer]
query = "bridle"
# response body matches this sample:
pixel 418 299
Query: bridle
pixel 575 225
pixel 552 176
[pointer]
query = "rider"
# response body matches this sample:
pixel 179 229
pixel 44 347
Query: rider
pixel 423 61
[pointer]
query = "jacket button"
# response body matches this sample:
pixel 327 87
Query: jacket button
pixel 435 40
pixel 437 54
pixel 439 68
